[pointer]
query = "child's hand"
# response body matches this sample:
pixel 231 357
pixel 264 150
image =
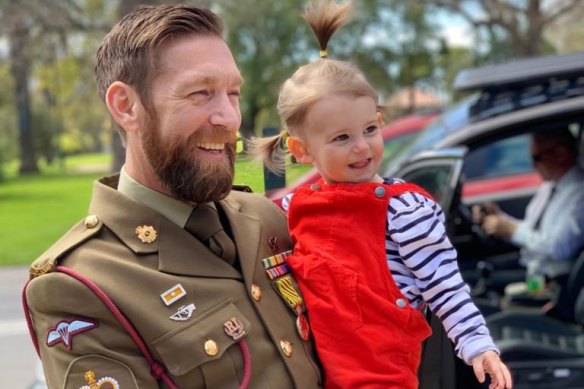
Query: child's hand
pixel 490 362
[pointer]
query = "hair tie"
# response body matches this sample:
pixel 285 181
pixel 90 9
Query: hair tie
pixel 323 54
pixel 284 135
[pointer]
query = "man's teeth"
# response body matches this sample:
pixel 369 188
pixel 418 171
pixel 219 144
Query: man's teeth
pixel 211 146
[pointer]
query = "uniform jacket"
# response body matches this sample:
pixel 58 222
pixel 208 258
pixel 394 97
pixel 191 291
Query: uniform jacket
pixel 367 334
pixel 134 274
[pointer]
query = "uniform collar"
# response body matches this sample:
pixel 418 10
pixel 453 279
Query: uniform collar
pixel 178 251
pixel 175 210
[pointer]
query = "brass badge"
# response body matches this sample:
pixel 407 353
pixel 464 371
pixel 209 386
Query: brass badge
pixel 46 266
pixel 146 234
pixel 234 328
pixel 102 383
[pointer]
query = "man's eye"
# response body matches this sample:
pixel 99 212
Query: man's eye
pixel 235 95
pixel 200 93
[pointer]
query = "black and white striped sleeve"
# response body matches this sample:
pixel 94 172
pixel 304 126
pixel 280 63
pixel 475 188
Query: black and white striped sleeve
pixel 423 263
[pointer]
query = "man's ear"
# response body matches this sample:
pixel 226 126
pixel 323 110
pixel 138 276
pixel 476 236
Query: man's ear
pixel 125 106
pixel 299 150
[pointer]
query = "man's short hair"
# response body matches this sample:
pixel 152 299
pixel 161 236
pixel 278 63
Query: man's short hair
pixel 562 136
pixel 129 52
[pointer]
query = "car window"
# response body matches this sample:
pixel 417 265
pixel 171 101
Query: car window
pixel 502 158
pixel 434 179
pixel 452 120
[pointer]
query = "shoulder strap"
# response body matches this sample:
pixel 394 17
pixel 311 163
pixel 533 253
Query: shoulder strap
pixel 156 369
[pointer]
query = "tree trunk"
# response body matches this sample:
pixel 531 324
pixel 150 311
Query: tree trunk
pixel 534 37
pixel 20 70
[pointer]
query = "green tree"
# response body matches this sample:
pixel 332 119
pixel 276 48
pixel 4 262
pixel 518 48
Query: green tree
pixel 32 27
pixel 511 28
pixel 269 41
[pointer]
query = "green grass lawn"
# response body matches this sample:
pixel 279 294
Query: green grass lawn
pixel 36 210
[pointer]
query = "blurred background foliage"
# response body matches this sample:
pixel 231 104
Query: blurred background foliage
pixel 49 108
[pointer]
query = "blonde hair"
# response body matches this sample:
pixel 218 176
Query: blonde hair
pixel 312 82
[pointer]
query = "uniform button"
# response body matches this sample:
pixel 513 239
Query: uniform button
pixel 256 292
pixel 91 221
pixel 401 303
pixel 211 348
pixel 286 348
pixel 380 191
pixel 315 187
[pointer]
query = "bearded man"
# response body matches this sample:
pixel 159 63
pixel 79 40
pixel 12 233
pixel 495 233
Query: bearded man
pixel 166 282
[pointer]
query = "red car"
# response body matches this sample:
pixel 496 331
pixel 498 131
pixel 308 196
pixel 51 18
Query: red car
pixel 396 135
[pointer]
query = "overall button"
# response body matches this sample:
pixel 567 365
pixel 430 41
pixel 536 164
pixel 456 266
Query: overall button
pixel 380 191
pixel 286 348
pixel 315 187
pixel 256 292
pixel 211 348
pixel 401 303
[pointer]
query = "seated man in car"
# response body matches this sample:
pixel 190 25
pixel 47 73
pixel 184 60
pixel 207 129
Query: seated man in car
pixel 552 231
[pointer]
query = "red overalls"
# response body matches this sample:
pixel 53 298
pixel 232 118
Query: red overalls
pixel 366 333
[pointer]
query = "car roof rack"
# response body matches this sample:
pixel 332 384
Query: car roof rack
pixel 520 72
pixel 522 84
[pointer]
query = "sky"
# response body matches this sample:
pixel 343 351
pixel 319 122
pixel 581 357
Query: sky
pixel 455 29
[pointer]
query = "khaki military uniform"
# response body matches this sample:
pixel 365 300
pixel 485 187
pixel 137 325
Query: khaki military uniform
pixel 134 271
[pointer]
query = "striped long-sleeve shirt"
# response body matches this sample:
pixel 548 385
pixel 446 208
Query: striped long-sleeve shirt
pixel 423 263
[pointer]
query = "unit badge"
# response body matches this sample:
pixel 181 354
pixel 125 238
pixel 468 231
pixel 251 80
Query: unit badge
pixel 184 313
pixel 64 331
pixel 234 328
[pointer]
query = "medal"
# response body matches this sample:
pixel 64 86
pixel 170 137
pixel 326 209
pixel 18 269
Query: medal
pixel 302 327
pixel 278 271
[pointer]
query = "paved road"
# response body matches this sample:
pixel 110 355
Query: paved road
pixel 17 355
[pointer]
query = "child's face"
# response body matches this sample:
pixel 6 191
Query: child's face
pixel 341 137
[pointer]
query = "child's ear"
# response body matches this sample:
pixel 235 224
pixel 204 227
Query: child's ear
pixel 299 150
pixel 379 119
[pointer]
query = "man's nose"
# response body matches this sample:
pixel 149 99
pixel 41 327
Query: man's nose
pixel 226 113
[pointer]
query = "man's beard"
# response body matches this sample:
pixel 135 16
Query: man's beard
pixel 184 175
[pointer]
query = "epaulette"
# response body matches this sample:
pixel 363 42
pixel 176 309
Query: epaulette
pixel 81 232
pixel 242 188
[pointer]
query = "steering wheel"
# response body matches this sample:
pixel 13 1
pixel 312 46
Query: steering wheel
pixel 465 214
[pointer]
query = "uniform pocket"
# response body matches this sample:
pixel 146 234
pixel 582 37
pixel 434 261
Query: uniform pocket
pixel 201 341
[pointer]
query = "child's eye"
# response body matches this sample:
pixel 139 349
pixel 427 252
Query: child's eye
pixel 371 129
pixel 340 138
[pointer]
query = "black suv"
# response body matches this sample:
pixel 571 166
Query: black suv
pixel 489 132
